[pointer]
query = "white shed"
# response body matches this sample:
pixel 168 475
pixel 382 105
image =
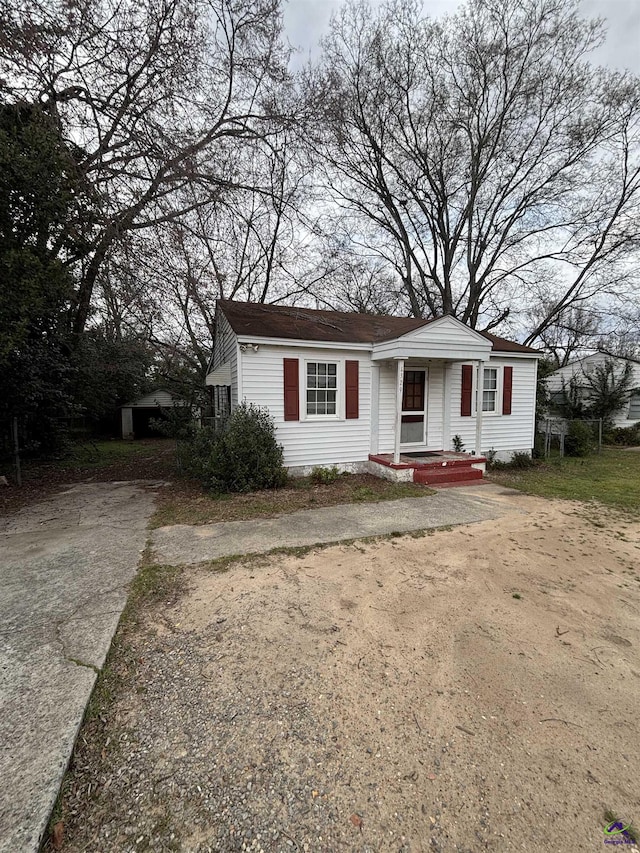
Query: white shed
pixel 135 416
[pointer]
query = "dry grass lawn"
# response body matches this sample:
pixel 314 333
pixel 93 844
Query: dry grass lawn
pixel 185 502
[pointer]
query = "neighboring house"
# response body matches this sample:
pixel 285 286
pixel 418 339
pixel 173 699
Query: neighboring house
pixel 135 417
pixel 583 367
pixel 344 387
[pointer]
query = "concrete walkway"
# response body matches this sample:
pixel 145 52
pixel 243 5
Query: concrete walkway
pixel 181 543
pixel 65 566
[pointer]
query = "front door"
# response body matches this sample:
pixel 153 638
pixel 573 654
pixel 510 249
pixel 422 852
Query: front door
pixel 414 420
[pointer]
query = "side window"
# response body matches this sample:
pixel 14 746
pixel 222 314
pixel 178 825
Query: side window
pixel 322 388
pixel 490 389
pixel 634 408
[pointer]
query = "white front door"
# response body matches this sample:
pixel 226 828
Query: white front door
pixel 413 429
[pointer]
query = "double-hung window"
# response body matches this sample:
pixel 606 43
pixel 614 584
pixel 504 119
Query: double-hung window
pixel 322 388
pixel 490 390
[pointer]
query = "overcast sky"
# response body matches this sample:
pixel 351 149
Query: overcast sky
pixel 306 21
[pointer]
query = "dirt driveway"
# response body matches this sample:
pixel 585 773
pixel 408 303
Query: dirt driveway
pixel 394 696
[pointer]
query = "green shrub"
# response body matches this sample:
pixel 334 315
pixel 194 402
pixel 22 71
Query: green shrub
pixel 325 476
pixel 177 422
pixel 491 457
pixel 194 456
pixel 624 436
pixel 578 440
pixel 458 443
pixel 522 459
pixel 519 461
pixel 242 457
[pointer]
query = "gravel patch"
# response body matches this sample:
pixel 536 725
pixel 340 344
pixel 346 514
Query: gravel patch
pixel 387 697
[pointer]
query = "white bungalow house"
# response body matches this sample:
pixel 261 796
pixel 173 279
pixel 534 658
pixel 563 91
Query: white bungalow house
pixel 383 394
pixel 584 367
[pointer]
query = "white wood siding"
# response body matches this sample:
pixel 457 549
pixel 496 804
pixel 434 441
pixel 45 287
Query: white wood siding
pixel 387 407
pixel 155 398
pixel 311 441
pixel 329 441
pixel 515 431
pixel 464 427
pixel 435 393
pixel 225 350
pixel 445 338
pixel 503 433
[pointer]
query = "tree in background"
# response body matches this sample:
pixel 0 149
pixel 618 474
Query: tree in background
pixel 107 371
pixel 482 156
pixel 609 390
pixel 254 243
pixel 159 111
pixel 573 332
pixel 160 98
pixel 571 403
pixel 598 394
pixel 38 186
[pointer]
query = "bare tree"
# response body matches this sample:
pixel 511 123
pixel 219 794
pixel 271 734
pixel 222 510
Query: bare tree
pixel 259 241
pixel 574 331
pixel 157 97
pixel 255 242
pixel 490 160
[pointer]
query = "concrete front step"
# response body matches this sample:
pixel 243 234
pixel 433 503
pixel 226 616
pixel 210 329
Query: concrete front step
pixel 438 464
pixel 449 461
pixel 446 474
pixel 461 483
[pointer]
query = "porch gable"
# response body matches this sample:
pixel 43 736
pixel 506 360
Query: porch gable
pixel 445 338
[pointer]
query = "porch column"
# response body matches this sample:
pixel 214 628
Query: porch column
pixel 479 389
pixel 375 407
pixel 398 428
pixel 446 405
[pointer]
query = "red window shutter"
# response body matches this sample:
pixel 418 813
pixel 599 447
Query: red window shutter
pixel 507 385
pixel 467 390
pixel 351 389
pixel 291 390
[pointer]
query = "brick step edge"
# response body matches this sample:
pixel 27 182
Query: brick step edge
pixel 475 482
pixel 420 464
pixel 422 475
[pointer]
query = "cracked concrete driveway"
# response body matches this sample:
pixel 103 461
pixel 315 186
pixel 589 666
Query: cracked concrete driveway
pixel 65 567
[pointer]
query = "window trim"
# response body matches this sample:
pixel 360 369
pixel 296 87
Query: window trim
pixel 495 391
pixel 497 412
pixel 422 387
pixel 340 389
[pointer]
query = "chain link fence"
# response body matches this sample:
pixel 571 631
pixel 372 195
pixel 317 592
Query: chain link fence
pixel 553 432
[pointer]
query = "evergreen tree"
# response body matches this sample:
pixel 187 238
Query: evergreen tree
pixel 37 186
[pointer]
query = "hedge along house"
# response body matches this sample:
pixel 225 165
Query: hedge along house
pixel 387 395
